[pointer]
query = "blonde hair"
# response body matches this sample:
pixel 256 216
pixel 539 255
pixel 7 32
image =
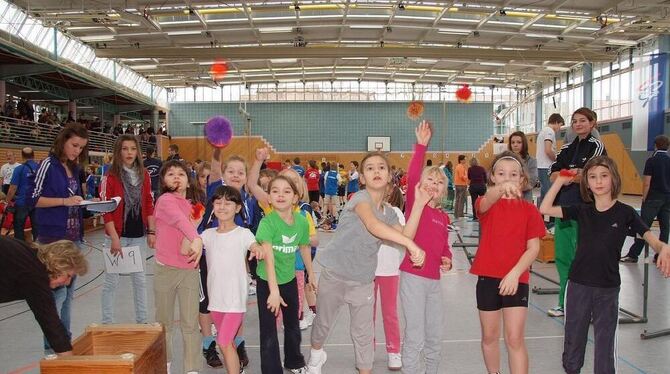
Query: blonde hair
pixel 234 158
pixel 61 257
pixel 299 182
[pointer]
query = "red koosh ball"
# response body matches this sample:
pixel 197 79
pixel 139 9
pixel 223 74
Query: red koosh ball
pixel 219 70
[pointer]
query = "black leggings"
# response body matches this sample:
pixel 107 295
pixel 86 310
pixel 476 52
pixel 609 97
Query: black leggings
pixel 476 190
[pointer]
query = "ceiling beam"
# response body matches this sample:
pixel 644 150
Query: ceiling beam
pixel 292 52
pixel 531 21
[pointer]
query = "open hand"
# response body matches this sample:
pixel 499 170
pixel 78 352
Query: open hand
pixel 423 132
pixel 663 261
pixel 262 154
pixel 511 190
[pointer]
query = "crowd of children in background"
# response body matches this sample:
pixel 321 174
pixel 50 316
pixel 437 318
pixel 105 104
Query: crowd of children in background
pixel 223 231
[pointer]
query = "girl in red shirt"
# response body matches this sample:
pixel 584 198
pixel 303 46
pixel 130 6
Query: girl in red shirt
pixel 511 229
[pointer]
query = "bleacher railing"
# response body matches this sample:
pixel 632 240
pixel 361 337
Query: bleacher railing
pixel 33 134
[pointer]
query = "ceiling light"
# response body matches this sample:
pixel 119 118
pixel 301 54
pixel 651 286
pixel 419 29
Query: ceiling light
pixel 29 91
pixel 97 38
pixel 425 61
pixel 492 63
pixel 283 60
pixel 453 31
pixel 544 36
pixel 505 23
pixel 587 28
pixel 267 30
pixel 366 26
pixel 549 26
pixel 183 32
pixel 467 20
pixel 557 68
pixel 143 67
pixel 622 42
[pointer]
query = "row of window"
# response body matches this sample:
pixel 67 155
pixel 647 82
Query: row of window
pixel 16 22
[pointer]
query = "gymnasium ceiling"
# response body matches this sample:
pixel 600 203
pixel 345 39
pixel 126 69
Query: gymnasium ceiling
pixel 499 42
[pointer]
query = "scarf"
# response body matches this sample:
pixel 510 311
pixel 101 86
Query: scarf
pixel 132 193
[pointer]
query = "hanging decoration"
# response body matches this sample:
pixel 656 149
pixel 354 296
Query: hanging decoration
pixel 415 110
pixel 219 131
pixel 464 94
pixel 218 70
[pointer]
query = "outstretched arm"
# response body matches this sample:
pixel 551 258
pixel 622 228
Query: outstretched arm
pixel 663 250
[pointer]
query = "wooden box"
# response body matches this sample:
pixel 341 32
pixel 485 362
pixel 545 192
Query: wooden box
pixel 546 249
pixel 113 349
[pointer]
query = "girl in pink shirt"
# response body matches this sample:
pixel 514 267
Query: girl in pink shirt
pixel 420 291
pixel 176 274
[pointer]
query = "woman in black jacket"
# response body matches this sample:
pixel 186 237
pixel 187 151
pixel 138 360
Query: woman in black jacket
pixel 30 273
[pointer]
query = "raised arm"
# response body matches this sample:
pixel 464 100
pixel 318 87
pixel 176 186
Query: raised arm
pixel 423 135
pixel 495 193
pixel 422 198
pixel 217 166
pixel 547 207
pixel 254 174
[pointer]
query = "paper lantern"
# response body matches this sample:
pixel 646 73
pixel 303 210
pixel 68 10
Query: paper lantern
pixel 219 131
pixel 415 110
pixel 464 94
pixel 218 70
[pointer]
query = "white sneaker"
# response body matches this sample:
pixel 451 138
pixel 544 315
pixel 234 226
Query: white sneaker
pixel 307 319
pixel 394 361
pixel 556 312
pixel 302 370
pixel 252 289
pixel 316 361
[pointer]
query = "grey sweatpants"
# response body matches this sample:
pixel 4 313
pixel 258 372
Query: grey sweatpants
pixel 581 304
pixel 334 293
pixel 421 300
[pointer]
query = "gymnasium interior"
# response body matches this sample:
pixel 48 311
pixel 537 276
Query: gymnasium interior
pixel 330 81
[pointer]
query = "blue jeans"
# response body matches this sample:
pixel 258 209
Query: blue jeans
pixel 545 183
pixel 63 299
pixel 656 205
pixel 138 279
pixel 20 216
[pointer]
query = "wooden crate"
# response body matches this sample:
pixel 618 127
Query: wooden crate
pixel 113 349
pixel 546 249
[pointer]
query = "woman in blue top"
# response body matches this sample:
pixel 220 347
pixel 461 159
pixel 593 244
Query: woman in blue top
pixel 58 194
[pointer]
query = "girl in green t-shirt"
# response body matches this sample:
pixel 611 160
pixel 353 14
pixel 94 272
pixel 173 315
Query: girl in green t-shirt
pixel 281 233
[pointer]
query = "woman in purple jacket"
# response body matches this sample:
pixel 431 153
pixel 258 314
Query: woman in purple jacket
pixel 57 195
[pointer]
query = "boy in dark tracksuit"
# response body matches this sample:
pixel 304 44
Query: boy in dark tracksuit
pixel 571 156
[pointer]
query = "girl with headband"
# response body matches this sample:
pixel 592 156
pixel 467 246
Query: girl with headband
pixel 511 228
